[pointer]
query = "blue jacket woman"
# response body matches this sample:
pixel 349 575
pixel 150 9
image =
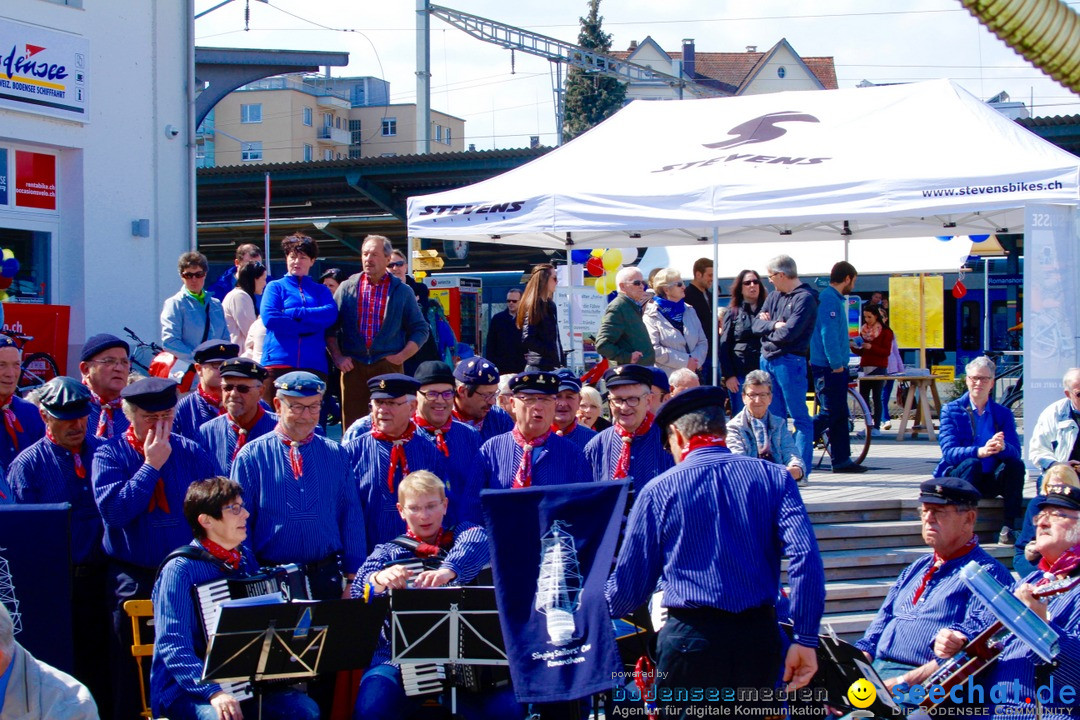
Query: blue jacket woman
pixel 192 316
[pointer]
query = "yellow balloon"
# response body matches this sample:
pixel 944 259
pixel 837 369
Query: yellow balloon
pixel 612 259
pixel 598 252
pixel 8 254
pixel 601 286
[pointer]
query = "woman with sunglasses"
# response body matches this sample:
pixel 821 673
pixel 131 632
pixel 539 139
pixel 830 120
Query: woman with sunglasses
pixel 192 316
pixel 740 347
pixel 240 305
pixel 676 335
pixel 538 321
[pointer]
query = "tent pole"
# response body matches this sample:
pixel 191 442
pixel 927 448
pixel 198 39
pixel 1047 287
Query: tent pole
pixel 922 320
pixel 986 305
pixel 715 306
pixel 570 311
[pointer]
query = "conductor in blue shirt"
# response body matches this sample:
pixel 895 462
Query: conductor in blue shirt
pixel 714 528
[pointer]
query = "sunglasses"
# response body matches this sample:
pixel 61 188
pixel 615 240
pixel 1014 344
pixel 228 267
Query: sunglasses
pixel 242 389
pixel 748 283
pixel 636 283
pixel 396 264
pixel 193 275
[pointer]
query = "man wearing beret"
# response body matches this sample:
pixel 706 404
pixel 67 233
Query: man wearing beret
pixel 245 418
pixel 139 480
pixel 530 454
pixel 476 390
pixel 105 365
pixel 455 441
pixel 1057 539
pixel 392 449
pixel 56 469
pixel 301 492
pixel 205 403
pixel 715 527
pixel 632 448
pixel 22 422
pixel 929 594
pixel 567 402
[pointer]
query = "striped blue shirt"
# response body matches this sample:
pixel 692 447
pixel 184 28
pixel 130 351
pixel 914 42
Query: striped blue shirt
pixel 370 459
pixel 124 483
pixel 33 429
pixel 496 422
pixel 714 529
pixel 179 636
pixel 467 557
pixel 580 435
pixel 300 521
pixel 7 495
pixel 119 426
pixel 648 458
pixel 219 439
pixel 360 426
pixel 191 413
pixel 45 473
pixel 557 462
pixel 904 633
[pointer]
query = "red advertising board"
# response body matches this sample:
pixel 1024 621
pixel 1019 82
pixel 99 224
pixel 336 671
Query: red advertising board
pixel 48 324
pixel 35 180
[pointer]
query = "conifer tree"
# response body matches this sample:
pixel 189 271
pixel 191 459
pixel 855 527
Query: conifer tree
pixel 590 97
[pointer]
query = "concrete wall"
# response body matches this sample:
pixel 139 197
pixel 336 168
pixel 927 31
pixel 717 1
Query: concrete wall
pixel 119 166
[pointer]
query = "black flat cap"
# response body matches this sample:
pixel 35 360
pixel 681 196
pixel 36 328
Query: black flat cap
pixel 392 385
pixel 948 491
pixel 535 381
pixel 65 398
pixel 97 344
pixel 1063 496
pixel 628 375
pixel 688 401
pixel 151 394
pixel 433 372
pixel 212 350
pixel 243 368
pixel 660 379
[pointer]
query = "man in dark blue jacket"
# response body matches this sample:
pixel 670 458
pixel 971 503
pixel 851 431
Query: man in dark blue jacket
pixel 785 324
pixel 979 443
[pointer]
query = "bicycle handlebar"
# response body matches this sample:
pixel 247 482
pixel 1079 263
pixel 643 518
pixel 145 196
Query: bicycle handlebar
pixel 139 342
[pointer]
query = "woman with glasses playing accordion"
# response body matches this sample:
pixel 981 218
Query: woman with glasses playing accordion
pixel 216 513
pixel 427 556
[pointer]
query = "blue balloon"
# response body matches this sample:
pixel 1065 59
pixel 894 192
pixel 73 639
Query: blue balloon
pixel 580 256
pixel 10 268
pixel 978 238
pixel 944 238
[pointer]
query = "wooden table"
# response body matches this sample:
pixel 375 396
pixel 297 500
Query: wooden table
pixel 919 384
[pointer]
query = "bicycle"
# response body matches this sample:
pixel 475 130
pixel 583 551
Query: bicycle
pixel 859 424
pixel 143 353
pixel 1009 383
pixel 36 369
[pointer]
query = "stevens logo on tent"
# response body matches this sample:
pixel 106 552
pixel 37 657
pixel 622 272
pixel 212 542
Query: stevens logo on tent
pixel 481 209
pixel 761 129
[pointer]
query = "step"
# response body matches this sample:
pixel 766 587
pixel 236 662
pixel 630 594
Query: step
pixel 843 511
pixel 848 626
pixel 856 595
pixel 886 533
pixel 884 563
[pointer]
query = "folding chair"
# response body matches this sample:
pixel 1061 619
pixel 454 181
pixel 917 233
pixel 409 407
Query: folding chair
pixel 141 613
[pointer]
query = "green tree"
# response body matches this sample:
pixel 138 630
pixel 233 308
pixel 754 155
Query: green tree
pixel 590 97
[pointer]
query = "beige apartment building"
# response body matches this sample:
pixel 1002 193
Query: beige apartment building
pixel 298 118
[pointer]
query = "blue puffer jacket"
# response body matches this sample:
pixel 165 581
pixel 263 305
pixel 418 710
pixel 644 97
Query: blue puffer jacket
pixel 296 312
pixel 957 433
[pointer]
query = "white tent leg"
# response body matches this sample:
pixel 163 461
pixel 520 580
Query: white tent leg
pixel 715 306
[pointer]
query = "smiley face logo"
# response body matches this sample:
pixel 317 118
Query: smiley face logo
pixel 862 694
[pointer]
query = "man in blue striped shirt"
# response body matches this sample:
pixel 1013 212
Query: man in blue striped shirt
pixel 22 422
pixel 301 491
pixel 218 519
pixel 104 365
pixel 245 418
pixel 929 594
pixel 567 402
pixel 476 390
pixel 714 527
pixel 206 403
pixel 631 449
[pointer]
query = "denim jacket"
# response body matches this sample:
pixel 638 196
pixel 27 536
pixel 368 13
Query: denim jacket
pixel 183 322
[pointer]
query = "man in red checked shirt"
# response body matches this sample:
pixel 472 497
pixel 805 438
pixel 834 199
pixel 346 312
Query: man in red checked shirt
pixel 379 327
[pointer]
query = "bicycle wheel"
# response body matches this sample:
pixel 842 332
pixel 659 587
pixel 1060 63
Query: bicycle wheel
pixel 859 420
pixel 37 369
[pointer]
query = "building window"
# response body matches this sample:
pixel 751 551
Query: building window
pixel 308 150
pixel 328 155
pixel 251 113
pixel 447 136
pixel 251 151
pixel 328 120
pixel 438 133
pixel 389 126
pixel 307 116
pixel 355 135
pixel 781 72
pixel 337 123
pixel 354 152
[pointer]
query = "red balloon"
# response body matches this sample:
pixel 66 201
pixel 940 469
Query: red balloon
pixel 959 290
pixel 595 266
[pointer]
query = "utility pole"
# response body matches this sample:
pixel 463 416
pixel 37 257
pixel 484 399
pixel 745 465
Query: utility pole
pixel 423 76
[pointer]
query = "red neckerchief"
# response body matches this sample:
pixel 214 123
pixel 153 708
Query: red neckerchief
pixel 523 476
pixel 11 423
pixel 397 452
pixel 371 300
pixel 478 424
pixel 229 557
pixel 444 540
pixel 80 469
pixel 242 430
pixel 159 500
pixel 703 440
pixel 105 417
pixel 940 560
pixel 295 459
pixel 622 466
pixel 214 401
pixel 569 428
pixel 438 432
pixel 1063 566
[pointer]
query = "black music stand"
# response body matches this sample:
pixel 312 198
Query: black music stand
pixel 451 625
pixel 292 641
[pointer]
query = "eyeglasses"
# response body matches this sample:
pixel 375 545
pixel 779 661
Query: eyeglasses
pixel 193 275
pixel 773 274
pixel 387 402
pixel 437 394
pixel 1056 514
pixel 242 389
pixel 113 362
pixel 629 400
pixel 396 264
pixel 418 509
pixel 234 508
pixel 676 284
pixel 980 378
pixel 531 400
pixel 155 418
pixel 511 302
pixel 487 397
pixel 298 409
pixel 636 283
pixel 748 283
pixel 757 396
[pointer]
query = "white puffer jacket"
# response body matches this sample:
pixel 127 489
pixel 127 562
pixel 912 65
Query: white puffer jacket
pixel 674 348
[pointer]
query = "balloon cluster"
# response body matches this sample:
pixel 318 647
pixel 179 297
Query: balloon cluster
pixel 8 270
pixel 603 264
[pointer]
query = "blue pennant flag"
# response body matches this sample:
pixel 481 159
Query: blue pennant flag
pixel 551 553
